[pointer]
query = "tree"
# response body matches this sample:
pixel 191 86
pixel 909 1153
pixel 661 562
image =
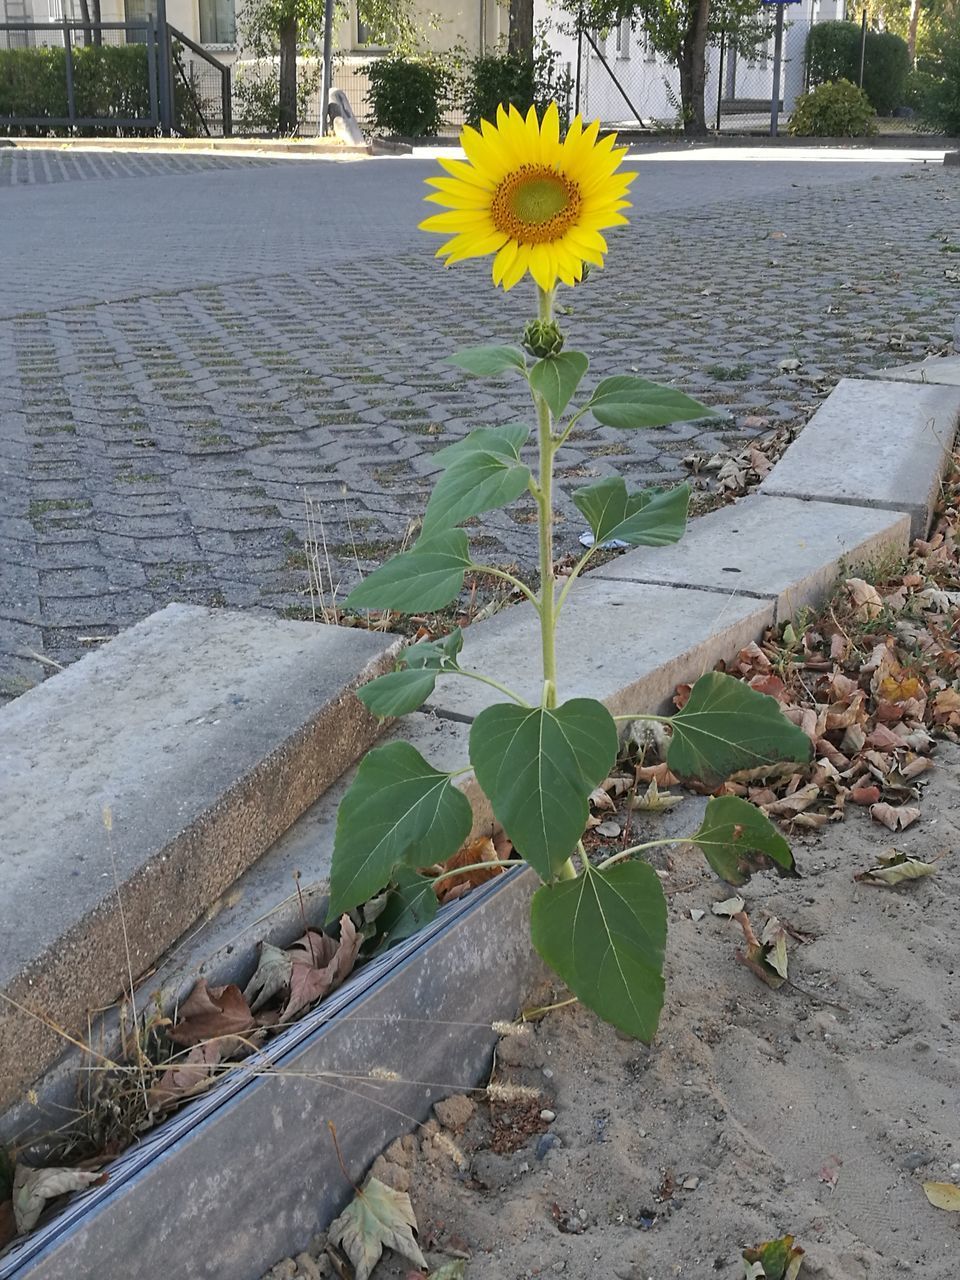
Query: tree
pixel 680 31
pixel 520 38
pixel 292 28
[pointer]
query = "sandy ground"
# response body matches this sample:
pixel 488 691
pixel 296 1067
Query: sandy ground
pixel 817 1110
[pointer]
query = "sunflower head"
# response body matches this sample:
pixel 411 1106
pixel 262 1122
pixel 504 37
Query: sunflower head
pixel 536 203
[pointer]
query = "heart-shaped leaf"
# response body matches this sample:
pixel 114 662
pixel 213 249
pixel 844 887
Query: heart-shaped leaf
pixel 428 577
pixel 651 518
pixel 478 481
pixel 604 934
pixel 537 768
pixel 398 810
pixel 487 361
pixel 626 401
pixel 726 726
pixel 556 378
pixel 505 441
pixel 413 681
pixel 737 839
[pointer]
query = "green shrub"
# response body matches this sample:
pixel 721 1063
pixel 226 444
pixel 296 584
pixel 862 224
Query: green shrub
pixel 408 96
pixel 833 53
pixel 110 82
pixel 918 87
pixel 838 109
pixel 256 95
pixel 940 108
pixel 511 79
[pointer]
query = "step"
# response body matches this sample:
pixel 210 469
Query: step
pixel 873 443
pixel 152 773
pixel 942 371
pixel 768 548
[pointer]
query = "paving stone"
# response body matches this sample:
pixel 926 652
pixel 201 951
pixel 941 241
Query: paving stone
pixel 873 444
pixel 627 644
pixel 205 734
pixel 766 547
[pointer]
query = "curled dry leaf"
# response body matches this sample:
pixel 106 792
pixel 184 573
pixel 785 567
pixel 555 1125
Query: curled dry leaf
pixel 867 601
pixel 654 800
pixel 943 1195
pixel 729 907
pixel 272 975
pixel 326 963
pixel 189 1076
pixel 897 818
pixel 482 850
pixel 32 1188
pixel 893 868
pixel 377 1216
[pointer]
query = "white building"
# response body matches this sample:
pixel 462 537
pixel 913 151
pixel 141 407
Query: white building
pixel 650 86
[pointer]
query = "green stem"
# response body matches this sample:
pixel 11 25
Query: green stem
pixel 506 577
pixel 548 621
pixel 477 866
pixel 494 684
pixel 568 871
pixel 638 848
pixel 573 575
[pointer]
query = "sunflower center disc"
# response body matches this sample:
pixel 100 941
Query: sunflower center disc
pixel 535 204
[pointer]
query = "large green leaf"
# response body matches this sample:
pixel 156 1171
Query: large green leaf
pixel 726 726
pixel 411 904
pixel 488 361
pixel 556 378
pixel 399 810
pixel 604 934
pixel 408 687
pixel 428 577
pixel 476 482
pixel 651 518
pixel 504 441
pixel 537 768
pixel 737 839
pixel 625 401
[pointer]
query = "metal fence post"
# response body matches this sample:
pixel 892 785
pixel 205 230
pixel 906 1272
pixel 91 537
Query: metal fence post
pixel 151 39
pixel 68 55
pixel 777 73
pixel 226 90
pixel 328 21
pixel 576 101
pixel 723 40
pixel 164 70
pixel 863 45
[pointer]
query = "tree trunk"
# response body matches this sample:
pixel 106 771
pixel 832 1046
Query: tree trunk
pixel 912 29
pixel 692 65
pixel 288 75
pixel 520 40
pixel 97 17
pixel 85 19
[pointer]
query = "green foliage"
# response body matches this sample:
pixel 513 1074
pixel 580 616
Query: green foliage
pixel 109 81
pixel 507 79
pixel 919 86
pixel 408 96
pixel 940 108
pixel 833 110
pixel 602 927
pixel 833 54
pixel 256 95
pixel 604 934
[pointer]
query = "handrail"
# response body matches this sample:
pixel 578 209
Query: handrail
pixel 225 77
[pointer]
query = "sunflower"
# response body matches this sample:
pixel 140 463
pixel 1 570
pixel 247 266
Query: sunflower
pixel 536 203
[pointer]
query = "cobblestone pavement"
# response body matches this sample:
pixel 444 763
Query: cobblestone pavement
pixel 186 355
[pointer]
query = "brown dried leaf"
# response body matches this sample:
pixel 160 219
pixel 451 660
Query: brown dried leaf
pixel 482 850
pixel 211 1012
pixel 32 1188
pixel 189 1076
pixel 897 818
pixel 309 984
pixel 866 600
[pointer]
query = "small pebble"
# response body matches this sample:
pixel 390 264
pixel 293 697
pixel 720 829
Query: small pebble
pixel 547 1073
pixel 609 830
pixel 691 1184
pixel 696 914
pixel 548 1115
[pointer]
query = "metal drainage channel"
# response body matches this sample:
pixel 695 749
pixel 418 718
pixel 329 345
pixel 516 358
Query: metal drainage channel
pixel 247 1173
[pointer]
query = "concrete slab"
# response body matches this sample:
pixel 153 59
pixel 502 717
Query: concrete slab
pixel 873 443
pixel 944 371
pixel 627 644
pixel 205 734
pixel 768 548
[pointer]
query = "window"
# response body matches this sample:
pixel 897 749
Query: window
pixel 377 32
pixel 218 22
pixel 623 38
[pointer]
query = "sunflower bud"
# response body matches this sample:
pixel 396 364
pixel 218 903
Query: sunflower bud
pixel 543 338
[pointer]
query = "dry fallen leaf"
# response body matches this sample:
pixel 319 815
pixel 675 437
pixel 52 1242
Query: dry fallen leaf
pixel 326 963
pixel 377 1216
pixel 867 601
pixel 943 1195
pixel 32 1188
pixel 212 1012
pixel 188 1076
pixel 729 907
pixel 897 818
pixel 774 1260
pixel 654 800
pixel 272 975
pixel 893 868
pixel 482 850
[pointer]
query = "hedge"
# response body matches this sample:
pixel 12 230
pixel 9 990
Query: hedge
pixel 833 53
